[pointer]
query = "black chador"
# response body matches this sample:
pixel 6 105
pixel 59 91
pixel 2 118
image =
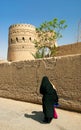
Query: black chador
pixel 49 98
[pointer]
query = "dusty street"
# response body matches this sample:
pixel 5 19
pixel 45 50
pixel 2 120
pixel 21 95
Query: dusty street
pixel 16 115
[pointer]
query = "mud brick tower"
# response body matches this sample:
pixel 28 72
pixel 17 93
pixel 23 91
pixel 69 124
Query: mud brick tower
pixel 20 45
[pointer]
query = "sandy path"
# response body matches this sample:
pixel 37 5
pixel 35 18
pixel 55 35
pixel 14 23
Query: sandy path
pixel 16 115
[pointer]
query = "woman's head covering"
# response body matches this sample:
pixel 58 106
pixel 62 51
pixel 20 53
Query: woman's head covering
pixel 46 85
pixel 47 88
pixel 45 81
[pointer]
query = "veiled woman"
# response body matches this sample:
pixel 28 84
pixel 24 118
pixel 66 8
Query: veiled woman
pixel 49 98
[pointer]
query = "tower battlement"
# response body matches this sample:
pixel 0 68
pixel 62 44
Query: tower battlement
pixel 16 26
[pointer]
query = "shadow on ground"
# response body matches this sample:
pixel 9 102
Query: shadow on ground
pixel 35 115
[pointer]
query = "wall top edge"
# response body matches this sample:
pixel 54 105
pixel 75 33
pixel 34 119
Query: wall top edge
pixel 41 59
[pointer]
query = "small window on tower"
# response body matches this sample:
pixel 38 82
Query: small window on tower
pixel 30 38
pixel 23 38
pixel 16 39
pixel 11 40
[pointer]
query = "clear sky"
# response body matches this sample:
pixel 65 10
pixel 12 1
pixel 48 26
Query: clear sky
pixel 35 12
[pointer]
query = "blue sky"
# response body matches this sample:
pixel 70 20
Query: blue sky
pixel 35 12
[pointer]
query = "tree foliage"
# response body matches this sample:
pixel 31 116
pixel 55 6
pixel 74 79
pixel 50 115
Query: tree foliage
pixel 48 33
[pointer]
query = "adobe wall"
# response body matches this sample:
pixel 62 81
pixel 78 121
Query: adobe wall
pixel 69 49
pixel 21 80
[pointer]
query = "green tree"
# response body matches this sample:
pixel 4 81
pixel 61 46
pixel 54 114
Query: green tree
pixel 48 33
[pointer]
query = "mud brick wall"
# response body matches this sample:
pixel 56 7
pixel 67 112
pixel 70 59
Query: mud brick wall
pixel 69 49
pixel 21 80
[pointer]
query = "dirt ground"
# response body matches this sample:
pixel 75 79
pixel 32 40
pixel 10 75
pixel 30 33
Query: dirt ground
pixel 17 115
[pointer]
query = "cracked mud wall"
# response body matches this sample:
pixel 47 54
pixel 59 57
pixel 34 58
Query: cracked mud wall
pixel 21 80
